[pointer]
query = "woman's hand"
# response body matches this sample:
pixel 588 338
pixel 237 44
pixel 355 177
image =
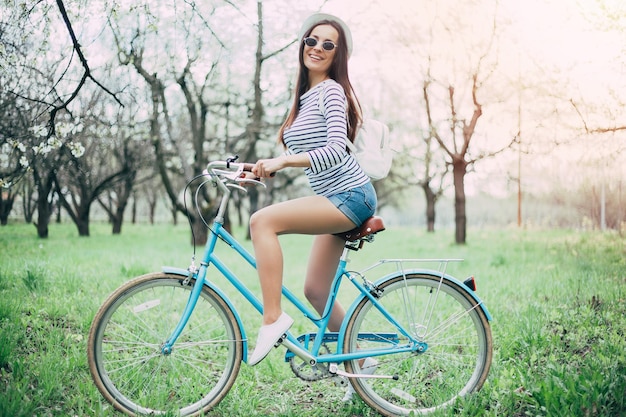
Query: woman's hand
pixel 268 167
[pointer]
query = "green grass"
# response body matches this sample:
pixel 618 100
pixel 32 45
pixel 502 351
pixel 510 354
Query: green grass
pixel 558 299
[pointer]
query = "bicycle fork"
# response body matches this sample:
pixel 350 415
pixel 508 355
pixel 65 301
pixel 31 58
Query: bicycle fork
pixel 194 294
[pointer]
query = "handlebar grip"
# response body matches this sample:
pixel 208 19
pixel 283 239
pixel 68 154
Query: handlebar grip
pixel 248 168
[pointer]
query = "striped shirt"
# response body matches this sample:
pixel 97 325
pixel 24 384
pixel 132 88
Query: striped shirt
pixel 323 137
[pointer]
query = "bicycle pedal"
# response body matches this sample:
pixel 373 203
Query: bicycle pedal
pixel 280 340
pixel 340 381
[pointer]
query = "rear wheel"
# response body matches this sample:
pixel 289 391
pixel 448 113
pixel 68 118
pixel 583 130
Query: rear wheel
pixel 124 348
pixel 441 314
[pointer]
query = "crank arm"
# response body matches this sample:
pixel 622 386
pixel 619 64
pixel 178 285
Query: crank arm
pixel 334 369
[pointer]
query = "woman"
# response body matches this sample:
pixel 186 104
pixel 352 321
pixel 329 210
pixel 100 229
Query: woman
pixel 344 196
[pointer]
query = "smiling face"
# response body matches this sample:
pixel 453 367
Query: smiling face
pixel 317 59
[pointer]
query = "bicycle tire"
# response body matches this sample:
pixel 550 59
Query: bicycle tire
pixel 458 337
pixel 124 348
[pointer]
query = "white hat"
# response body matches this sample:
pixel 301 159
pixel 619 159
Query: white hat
pixel 314 19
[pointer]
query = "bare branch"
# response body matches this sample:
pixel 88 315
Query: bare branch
pixel 468 129
pixel 582 119
pixel 608 129
pixel 86 75
pixel 598 130
pixel 278 51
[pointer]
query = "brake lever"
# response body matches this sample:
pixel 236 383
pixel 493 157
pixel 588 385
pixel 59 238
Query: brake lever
pixel 237 187
pixel 241 182
pixel 231 175
pixel 250 181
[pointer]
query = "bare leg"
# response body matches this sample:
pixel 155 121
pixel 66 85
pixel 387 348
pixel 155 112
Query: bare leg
pixel 321 269
pixel 313 215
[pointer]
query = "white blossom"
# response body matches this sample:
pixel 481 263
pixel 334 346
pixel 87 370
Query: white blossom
pixel 63 129
pixel 54 142
pixel 77 149
pixel 24 162
pixel 40 130
pixel 15 144
pixel 42 149
pixel 174 163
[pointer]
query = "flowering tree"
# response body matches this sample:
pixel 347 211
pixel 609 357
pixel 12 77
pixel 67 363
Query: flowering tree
pixel 111 159
pixel 39 82
pixel 45 158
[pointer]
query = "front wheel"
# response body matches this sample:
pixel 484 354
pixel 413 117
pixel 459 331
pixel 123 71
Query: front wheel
pixel 439 313
pixel 124 348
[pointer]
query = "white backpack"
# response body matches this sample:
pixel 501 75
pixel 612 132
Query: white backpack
pixel 371 146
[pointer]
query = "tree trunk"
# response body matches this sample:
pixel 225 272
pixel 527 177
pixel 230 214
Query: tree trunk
pixel 174 212
pixel 58 209
pixel 431 199
pixel 124 192
pixel 44 211
pixel 7 198
pixel 459 168
pixel 133 217
pixel 83 226
pixel 44 207
pixel 27 201
pixel 200 232
pixel 117 225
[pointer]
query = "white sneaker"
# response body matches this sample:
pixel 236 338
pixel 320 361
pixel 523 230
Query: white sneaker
pixel 268 336
pixel 369 367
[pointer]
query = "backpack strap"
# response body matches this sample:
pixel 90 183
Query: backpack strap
pixel 350 146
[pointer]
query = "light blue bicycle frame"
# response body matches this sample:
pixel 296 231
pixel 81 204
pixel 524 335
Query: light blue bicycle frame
pixel 210 258
pixel 296 347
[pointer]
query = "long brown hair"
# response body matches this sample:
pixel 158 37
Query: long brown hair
pixel 338 71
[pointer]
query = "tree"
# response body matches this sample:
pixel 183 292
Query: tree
pixel 46 158
pixel 7 198
pixel 49 88
pixel 166 147
pixel 430 173
pixel 453 74
pixel 220 118
pixel 15 115
pixel 84 178
pixel 92 153
pixel 128 150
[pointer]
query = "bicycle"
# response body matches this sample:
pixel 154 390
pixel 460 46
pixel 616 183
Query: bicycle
pixel 171 342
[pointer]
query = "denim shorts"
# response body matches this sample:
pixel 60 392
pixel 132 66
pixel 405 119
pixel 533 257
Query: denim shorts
pixel 358 204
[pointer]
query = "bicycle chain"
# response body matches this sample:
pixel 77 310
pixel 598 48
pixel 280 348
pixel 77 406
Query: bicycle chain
pixel 306 372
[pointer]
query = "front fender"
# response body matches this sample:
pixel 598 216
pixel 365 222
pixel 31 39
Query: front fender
pixel 185 273
pixel 409 272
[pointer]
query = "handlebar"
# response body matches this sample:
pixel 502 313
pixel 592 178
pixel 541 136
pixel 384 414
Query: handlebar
pixel 229 174
pixel 224 175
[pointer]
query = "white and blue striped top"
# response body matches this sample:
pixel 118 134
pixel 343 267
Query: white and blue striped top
pixel 323 136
